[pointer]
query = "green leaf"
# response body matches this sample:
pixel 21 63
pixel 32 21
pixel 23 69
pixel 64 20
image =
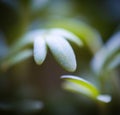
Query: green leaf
pixel 40 50
pixel 67 35
pixel 18 57
pixel 79 85
pixel 62 51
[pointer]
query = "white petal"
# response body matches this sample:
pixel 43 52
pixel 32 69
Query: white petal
pixel 40 50
pixel 67 35
pixel 62 51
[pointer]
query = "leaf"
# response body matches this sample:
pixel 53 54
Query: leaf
pixel 62 51
pixel 67 35
pixel 18 57
pixel 40 50
pixel 79 85
pixel 84 31
pixel 102 59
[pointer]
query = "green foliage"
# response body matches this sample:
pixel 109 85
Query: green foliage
pixel 43 26
pixel 37 42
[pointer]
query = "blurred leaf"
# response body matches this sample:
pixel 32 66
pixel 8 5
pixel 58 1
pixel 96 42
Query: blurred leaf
pixel 79 85
pixel 115 62
pixel 18 57
pixel 25 41
pixel 40 50
pixel 84 31
pixel 62 51
pixel 105 55
pixel 67 35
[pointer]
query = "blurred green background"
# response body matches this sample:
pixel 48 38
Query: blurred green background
pixel 27 88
